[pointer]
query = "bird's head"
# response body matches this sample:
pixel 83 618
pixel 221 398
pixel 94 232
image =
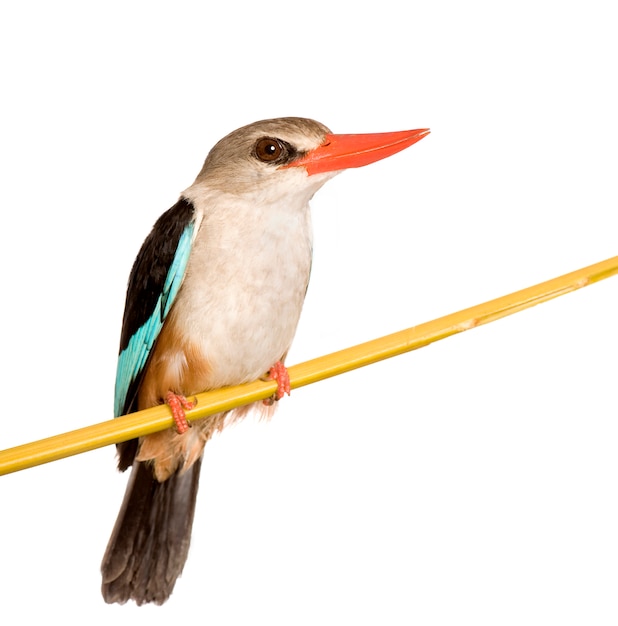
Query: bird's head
pixel 277 156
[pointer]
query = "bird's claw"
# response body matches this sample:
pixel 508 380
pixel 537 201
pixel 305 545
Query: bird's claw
pixel 178 405
pixel 279 373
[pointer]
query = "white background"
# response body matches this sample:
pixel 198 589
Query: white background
pixel 474 481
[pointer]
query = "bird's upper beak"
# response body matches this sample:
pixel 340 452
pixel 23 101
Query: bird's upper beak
pixel 339 152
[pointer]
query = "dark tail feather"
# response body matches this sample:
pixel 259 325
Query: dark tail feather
pixel 150 541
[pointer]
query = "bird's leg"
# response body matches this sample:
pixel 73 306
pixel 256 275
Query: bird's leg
pixel 178 405
pixel 279 372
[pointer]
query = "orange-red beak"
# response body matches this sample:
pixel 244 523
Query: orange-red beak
pixel 339 152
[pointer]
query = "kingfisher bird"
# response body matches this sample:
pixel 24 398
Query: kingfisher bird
pixel 213 299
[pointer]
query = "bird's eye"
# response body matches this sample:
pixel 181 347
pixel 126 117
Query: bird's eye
pixel 268 149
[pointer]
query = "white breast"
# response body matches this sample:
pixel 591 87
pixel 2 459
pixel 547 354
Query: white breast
pixel 245 285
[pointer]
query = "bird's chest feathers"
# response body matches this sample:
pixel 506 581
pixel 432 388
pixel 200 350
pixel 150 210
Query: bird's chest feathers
pixel 244 288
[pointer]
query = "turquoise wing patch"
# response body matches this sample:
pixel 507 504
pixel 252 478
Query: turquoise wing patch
pixel 133 358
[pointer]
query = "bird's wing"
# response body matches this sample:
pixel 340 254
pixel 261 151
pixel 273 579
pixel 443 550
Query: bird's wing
pixel 155 279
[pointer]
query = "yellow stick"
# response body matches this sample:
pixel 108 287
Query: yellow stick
pixel 158 418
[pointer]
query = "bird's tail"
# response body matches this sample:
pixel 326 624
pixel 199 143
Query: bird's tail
pixel 150 541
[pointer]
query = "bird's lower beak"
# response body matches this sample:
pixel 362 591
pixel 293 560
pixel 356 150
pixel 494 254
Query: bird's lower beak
pixel 339 152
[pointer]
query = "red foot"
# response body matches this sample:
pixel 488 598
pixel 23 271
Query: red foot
pixel 279 373
pixel 178 405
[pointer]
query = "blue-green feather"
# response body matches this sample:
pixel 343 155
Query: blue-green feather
pixel 133 358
